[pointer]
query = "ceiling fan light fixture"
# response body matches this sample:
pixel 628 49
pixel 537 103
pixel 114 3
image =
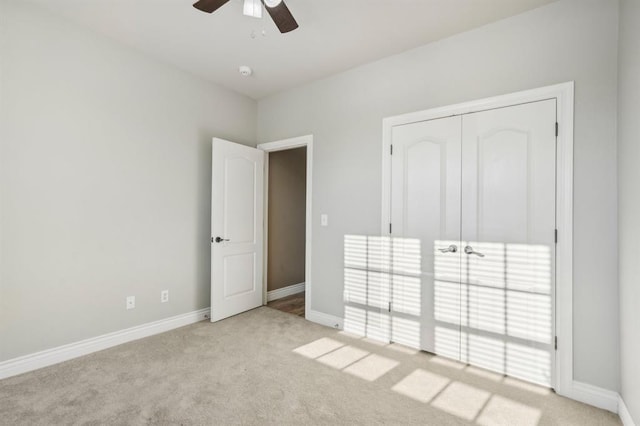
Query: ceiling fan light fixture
pixel 277 9
pixel 252 8
pixel 272 3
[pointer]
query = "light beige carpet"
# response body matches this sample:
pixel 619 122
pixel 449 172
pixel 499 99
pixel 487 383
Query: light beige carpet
pixel 269 367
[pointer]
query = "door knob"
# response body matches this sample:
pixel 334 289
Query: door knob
pixel 451 249
pixel 219 240
pixel 469 250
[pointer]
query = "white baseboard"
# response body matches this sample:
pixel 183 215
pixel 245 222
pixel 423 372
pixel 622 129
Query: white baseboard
pixel 593 395
pixel 624 413
pixel 285 291
pixel 49 357
pixel 324 319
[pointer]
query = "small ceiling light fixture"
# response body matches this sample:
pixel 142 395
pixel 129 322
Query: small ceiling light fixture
pixel 245 70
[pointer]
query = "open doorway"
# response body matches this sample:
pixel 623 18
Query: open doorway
pixel 287 228
pixel 286 217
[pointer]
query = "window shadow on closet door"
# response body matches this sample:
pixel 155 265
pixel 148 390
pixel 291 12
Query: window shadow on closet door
pixel 499 316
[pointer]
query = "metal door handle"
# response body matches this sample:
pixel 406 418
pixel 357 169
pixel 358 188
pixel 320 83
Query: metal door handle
pixel 451 249
pixel 219 240
pixel 469 250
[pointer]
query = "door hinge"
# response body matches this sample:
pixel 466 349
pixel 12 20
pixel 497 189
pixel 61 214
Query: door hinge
pixel 391 149
pixel 555 343
pixel 557 129
pixel 389 306
pixel 390 228
pixel 555 236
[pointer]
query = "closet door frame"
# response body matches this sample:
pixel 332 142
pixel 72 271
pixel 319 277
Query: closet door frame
pixel 563 382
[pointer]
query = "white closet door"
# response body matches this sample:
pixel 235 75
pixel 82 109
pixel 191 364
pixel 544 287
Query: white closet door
pixel 425 213
pixel 508 242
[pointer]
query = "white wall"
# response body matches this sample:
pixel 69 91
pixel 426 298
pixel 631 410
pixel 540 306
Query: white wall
pixel 629 203
pixel 568 40
pixel 104 182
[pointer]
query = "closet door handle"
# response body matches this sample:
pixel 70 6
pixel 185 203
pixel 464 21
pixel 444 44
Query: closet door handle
pixel 451 249
pixel 469 250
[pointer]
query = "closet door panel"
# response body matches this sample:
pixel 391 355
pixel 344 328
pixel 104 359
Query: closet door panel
pixel 508 223
pixel 425 213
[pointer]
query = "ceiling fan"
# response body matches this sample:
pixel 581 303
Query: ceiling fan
pixel 278 11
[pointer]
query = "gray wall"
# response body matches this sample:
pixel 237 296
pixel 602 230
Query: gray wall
pixel 287 217
pixel 629 203
pixel 567 40
pixel 105 175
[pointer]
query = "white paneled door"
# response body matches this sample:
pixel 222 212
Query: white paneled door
pixel 508 240
pixel 473 238
pixel 237 228
pixel 425 211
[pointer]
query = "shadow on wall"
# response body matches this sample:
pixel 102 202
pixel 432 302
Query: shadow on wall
pixel 493 311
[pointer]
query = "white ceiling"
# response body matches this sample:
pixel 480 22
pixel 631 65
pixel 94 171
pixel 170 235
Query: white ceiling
pixel 334 35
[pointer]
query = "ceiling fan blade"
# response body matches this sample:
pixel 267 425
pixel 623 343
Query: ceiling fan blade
pixel 282 17
pixel 209 6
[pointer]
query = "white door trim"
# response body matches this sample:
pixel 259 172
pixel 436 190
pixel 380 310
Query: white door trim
pixel 283 145
pixel 564 94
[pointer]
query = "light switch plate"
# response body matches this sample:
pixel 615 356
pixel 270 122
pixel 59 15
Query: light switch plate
pixel 324 219
pixel 131 302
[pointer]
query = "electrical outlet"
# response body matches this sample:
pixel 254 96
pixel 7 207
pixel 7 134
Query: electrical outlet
pixel 131 302
pixel 164 296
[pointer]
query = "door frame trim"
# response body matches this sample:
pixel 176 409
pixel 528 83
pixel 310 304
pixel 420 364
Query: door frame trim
pixel 564 94
pixel 283 145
